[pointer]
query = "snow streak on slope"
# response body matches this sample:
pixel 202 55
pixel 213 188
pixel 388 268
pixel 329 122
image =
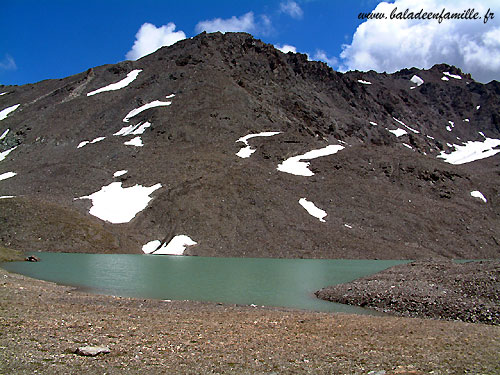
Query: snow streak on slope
pixel 312 209
pixel 137 142
pixel 295 166
pixel 7 175
pixel 117 205
pixel 135 112
pixel 477 194
pixel 245 152
pixel 176 246
pixel 471 151
pixel 120 173
pixel 4 134
pixel 138 129
pixel 84 143
pixel 6 111
pixel 398 132
pixel 4 154
pixel 118 85
pixel 406 126
pixel 452 75
pixel 364 82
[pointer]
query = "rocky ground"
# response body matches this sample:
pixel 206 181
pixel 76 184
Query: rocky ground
pixel 468 292
pixel 42 324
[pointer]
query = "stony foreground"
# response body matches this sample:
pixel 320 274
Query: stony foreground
pixel 42 324
pixel 469 292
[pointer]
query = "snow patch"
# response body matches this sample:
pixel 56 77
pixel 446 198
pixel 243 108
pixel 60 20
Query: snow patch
pixel 138 129
pixel 98 139
pixel 398 132
pixel 4 134
pixel 118 205
pixel 6 111
pixel 471 151
pixel 364 82
pixel 430 137
pixel 347 226
pixel 151 246
pixel 466 120
pixel 452 75
pixel 137 142
pixel 4 154
pixel 7 196
pixel 477 108
pixel 482 134
pixel 373 123
pixel 120 173
pixel 477 194
pixel 406 145
pixel 7 175
pixel 445 79
pixel 295 166
pixel 176 246
pixel 448 128
pixel 118 85
pixel 312 209
pixel 245 152
pixel 135 112
pixel 406 126
pixel 417 80
pixel 3 93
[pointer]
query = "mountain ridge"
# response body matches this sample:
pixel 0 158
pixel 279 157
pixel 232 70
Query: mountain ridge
pixel 386 194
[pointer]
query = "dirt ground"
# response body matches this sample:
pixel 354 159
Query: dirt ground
pixel 42 324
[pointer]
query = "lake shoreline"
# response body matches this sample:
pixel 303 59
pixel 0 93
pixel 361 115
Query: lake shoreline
pixel 43 323
pixel 469 292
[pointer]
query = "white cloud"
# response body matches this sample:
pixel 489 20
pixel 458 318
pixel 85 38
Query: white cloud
pixel 393 44
pixel 292 9
pixel 320 55
pixel 8 63
pixel 245 23
pixel 286 48
pixel 149 38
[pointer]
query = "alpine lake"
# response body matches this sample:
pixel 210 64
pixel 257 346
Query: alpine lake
pixel 288 283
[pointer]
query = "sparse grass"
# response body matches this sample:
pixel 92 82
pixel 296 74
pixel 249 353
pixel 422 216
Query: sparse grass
pixel 10 255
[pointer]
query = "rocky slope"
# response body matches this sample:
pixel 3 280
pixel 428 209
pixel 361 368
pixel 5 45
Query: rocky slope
pixel 385 192
pixel 441 290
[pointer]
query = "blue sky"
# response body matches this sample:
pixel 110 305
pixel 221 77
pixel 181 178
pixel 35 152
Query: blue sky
pixel 56 38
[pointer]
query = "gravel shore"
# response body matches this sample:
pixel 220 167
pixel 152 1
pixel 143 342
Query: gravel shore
pixel 469 292
pixel 42 324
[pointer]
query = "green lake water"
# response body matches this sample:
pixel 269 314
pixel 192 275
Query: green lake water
pixel 260 281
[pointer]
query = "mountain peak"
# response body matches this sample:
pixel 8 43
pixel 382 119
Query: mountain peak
pixel 248 151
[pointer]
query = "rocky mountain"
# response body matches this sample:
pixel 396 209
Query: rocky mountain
pixel 223 141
